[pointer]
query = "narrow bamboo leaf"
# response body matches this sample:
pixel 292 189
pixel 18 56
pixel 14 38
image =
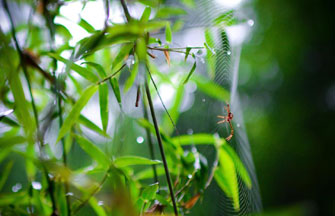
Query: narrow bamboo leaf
pixel 165 12
pixel 98 68
pixel 89 44
pixel 210 88
pixel 149 193
pixel 4 152
pixel 148 173
pixel 61 199
pixel 146 14
pixel 63 31
pixel 168 33
pixel 99 210
pixel 97 154
pixel 224 17
pixel 10 141
pixel 209 38
pixel 87 74
pixel 177 26
pixel 141 49
pixel 191 72
pixel 85 25
pixel 76 109
pixel 5 173
pixel 167 56
pixel 188 3
pixel 243 173
pixel 195 139
pixel 188 49
pixel 133 160
pixel 226 177
pixel 103 100
pixel 76 84
pixel 9 121
pixel 21 110
pixel 5 113
pixel 116 89
pixel 130 81
pixel 124 51
pixel 87 123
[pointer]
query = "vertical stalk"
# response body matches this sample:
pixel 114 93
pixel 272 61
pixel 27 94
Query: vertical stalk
pixel 151 146
pixel 160 144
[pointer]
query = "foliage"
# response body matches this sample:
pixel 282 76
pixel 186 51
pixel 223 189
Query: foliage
pixel 44 104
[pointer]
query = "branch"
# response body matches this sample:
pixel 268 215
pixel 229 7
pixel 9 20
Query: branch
pixel 160 143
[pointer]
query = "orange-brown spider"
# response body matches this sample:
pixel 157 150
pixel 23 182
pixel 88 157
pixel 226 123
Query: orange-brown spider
pixel 228 118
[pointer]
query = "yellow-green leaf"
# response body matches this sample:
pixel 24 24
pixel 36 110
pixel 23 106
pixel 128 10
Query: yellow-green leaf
pixel 226 177
pixel 133 160
pixel 168 33
pixel 191 72
pixel 103 100
pixel 146 14
pixel 76 109
pixel 96 153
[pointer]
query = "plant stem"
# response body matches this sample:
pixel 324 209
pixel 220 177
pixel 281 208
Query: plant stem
pixel 110 76
pixel 125 9
pixel 151 146
pixel 160 143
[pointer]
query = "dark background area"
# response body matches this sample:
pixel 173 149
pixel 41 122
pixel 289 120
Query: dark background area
pixel 290 115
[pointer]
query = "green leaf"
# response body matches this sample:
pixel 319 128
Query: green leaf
pixel 96 153
pixel 116 89
pixel 87 74
pixel 224 17
pixel 149 193
pixel 131 79
pixel 209 38
pixel 211 89
pixel 168 33
pixel 21 111
pixel 124 51
pixel 165 12
pixel 226 177
pixel 76 109
pixel 85 25
pixel 188 49
pixel 5 173
pixel 148 173
pixel 141 49
pixel 195 139
pixel 103 100
pixel 243 173
pixel 191 72
pixel 63 31
pixel 87 123
pixel 188 3
pixel 146 14
pixel 178 25
pixel 98 68
pixel 10 141
pixel 125 161
pixel 89 44
pixel 99 210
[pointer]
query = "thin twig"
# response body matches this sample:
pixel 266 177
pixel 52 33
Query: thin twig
pixel 160 143
pixel 75 211
pixel 110 76
pixel 125 9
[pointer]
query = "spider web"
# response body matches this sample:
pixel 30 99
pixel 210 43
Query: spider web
pixel 226 75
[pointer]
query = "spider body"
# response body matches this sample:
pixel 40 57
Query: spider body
pixel 228 118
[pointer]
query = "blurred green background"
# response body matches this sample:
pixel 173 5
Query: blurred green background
pixel 289 103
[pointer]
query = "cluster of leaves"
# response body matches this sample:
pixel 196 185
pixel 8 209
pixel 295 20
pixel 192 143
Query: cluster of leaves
pixel 25 91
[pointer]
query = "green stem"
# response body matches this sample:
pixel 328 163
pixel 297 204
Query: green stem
pixel 160 144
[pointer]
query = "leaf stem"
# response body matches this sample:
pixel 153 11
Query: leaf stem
pixel 160 143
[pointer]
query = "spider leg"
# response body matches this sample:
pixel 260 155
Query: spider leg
pixel 222 121
pixel 223 117
pixel 231 132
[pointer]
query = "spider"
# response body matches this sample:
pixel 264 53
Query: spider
pixel 228 118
